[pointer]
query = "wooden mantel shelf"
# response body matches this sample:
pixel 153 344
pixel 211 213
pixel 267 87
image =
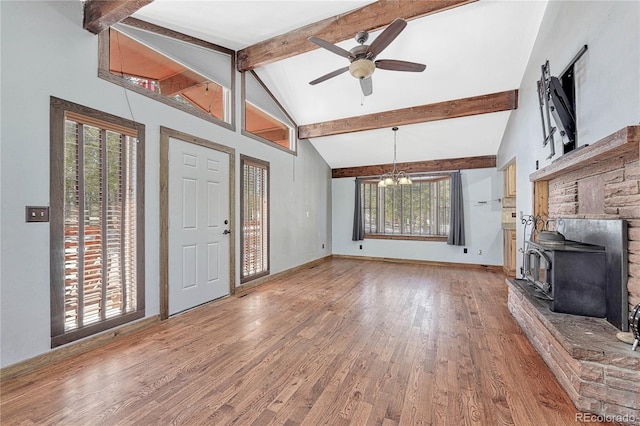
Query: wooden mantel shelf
pixel 619 143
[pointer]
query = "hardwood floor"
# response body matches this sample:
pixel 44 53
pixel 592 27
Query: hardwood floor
pixel 344 342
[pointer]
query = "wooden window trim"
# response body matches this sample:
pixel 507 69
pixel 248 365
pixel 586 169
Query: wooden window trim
pixel 244 159
pixel 425 178
pixel 105 74
pixel 59 110
pixel 243 126
pixel 431 177
pixel 406 237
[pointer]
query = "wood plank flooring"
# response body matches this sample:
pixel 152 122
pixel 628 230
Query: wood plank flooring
pixel 343 342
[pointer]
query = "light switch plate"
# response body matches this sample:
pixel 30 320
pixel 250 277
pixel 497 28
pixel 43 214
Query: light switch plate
pixel 37 213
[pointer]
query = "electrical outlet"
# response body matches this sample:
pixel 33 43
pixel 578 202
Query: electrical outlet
pixel 323 245
pixel 465 251
pixel 360 246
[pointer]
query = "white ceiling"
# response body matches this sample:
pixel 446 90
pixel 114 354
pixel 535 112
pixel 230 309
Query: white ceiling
pixel 471 50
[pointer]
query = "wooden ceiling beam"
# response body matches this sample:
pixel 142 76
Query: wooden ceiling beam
pixel 101 14
pixel 484 104
pixel 180 82
pixel 272 134
pixel 339 28
pixel 431 166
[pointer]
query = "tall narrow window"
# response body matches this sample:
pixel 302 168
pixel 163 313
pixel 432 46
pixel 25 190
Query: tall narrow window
pixel 96 222
pixel 255 219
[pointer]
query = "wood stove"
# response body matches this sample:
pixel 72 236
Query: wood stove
pixel 571 274
pixel 581 268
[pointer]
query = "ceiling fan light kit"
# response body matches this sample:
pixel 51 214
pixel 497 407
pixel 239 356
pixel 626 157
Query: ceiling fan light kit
pixel 362 68
pixel 362 57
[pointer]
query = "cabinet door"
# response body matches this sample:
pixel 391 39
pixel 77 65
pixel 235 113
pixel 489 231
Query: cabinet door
pixel 510 181
pixel 509 250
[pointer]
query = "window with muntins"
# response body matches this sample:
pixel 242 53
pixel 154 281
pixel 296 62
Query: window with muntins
pixel 97 223
pixel 254 220
pixel 417 211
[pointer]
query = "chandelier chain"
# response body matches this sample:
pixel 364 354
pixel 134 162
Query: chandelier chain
pixel 394 177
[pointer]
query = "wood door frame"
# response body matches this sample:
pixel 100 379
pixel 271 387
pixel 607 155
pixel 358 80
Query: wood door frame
pixel 165 135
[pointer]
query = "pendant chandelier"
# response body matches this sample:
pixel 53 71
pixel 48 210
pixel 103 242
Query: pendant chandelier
pixel 394 177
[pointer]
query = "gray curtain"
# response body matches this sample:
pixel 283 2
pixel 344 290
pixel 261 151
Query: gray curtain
pixel 456 217
pixel 358 222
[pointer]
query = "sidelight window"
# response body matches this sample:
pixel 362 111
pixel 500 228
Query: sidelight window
pixel 254 218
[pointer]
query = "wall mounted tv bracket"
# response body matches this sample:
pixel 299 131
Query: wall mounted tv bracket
pixel 543 96
pixel 555 103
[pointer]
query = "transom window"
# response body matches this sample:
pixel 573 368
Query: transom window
pixel 264 119
pixel 97 222
pixel 187 73
pixel 418 210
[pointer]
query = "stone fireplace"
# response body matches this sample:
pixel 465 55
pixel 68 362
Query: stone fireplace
pixel 600 181
pixel 600 374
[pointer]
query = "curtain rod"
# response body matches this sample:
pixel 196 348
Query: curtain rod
pixel 419 174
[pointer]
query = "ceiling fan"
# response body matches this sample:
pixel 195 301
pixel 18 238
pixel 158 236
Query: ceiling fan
pixel 362 57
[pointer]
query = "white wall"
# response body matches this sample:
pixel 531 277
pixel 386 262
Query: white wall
pixel 482 215
pixel 45 52
pixel 607 82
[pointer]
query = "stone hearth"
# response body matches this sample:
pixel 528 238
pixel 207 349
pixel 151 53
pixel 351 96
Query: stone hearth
pixel 600 374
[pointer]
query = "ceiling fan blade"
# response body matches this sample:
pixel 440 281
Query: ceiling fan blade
pixel 328 76
pixel 387 36
pixel 330 47
pixel 367 86
pixel 393 65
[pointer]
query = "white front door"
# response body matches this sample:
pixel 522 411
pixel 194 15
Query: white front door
pixel 198 219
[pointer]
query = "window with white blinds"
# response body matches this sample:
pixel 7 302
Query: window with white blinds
pixel 99 283
pixel 421 209
pixel 254 219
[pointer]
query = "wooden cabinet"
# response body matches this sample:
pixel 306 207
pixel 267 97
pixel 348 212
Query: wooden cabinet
pixel 510 180
pixel 509 221
pixel 509 247
pixel 509 212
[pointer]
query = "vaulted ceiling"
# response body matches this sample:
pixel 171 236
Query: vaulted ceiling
pixel 475 54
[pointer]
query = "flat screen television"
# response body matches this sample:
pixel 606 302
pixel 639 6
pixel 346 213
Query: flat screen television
pixel 562 111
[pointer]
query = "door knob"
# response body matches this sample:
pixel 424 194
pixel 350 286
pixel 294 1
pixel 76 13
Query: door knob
pixel 226 231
